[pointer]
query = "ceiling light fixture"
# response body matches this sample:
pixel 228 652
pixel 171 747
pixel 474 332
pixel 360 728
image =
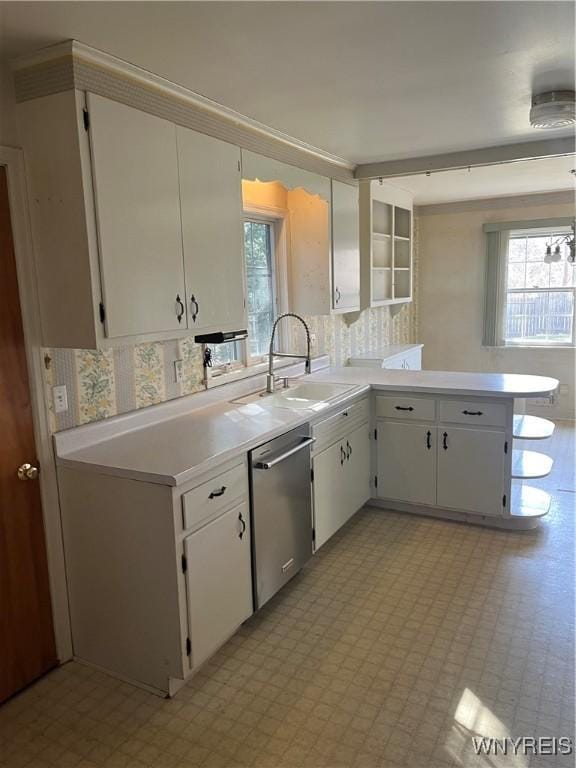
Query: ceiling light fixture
pixel 553 109
pixel 554 248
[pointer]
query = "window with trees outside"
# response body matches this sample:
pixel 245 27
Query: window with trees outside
pixel 260 298
pixel 539 294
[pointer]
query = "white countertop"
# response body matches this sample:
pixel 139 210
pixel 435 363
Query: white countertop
pixel 442 382
pixel 175 450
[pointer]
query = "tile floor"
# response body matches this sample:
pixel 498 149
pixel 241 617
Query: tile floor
pixel 402 639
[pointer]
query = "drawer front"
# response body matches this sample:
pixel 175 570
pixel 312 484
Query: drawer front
pixel 477 414
pixel 338 425
pixel 409 408
pixel 214 496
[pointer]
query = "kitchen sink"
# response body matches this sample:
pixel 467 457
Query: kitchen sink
pixel 301 395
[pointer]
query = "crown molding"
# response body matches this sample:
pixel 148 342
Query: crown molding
pixel 80 53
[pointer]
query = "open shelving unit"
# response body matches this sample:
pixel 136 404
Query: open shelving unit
pixel 528 502
pixel 385 250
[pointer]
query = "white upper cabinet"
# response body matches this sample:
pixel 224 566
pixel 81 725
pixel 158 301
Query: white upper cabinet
pixel 385 244
pixel 211 204
pixel 137 224
pixel 345 248
pixel 135 177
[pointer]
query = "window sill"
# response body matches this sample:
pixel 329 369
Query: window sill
pixel 246 372
pixel 539 347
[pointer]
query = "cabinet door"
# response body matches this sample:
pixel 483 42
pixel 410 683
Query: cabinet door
pixel 345 247
pixel 407 462
pixel 219 581
pixel 330 497
pixel 135 176
pixel 471 470
pixel 358 468
pixel 212 232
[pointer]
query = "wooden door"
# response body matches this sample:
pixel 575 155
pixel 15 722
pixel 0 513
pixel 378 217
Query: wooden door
pixel 471 470
pixel 330 501
pixel 135 173
pixel 407 462
pixel 219 581
pixel 212 232
pixel 345 247
pixel 27 647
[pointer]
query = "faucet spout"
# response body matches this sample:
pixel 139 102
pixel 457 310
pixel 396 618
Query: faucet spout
pixel 308 365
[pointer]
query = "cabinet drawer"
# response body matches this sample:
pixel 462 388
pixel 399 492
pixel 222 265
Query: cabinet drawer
pixel 462 412
pixel 334 427
pixel 412 408
pixel 215 495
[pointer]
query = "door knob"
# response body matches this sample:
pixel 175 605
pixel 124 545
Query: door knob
pixel 27 472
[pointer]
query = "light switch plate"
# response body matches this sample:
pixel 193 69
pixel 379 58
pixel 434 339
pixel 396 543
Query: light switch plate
pixel 60 398
pixel 178 371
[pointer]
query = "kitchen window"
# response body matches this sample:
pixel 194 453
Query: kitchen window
pixel 261 236
pixel 530 284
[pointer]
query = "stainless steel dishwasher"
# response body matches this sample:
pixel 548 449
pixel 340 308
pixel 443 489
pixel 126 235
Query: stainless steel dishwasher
pixel 281 502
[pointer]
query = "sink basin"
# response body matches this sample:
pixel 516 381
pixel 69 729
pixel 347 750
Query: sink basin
pixel 302 395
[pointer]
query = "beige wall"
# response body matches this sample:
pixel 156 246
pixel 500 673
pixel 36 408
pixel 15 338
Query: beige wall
pixel 8 131
pixel 451 265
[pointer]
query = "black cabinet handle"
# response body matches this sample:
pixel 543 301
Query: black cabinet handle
pixel 445 441
pixel 195 307
pixel 342 456
pixel 181 308
pixel 214 494
pixel 472 413
pixel 428 439
pixel 243 524
pixel 404 408
pixel 348 450
pixel 337 295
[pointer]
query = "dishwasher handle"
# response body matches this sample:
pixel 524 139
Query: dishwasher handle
pixel 290 452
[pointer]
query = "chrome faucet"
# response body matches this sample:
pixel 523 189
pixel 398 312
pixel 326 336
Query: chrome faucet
pixel 308 368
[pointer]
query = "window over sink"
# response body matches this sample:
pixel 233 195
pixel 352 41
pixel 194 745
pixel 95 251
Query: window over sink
pixel 261 238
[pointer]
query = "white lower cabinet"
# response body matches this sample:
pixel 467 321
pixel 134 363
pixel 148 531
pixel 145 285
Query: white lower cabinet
pixel 438 464
pixel 471 470
pixel 341 482
pixel 358 469
pixel 407 462
pixel 218 581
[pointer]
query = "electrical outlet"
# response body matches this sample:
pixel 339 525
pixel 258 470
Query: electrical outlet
pixel 60 398
pixel 178 371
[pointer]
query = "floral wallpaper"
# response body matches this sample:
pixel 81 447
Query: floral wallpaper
pixel 96 384
pixel 103 384
pixel 149 385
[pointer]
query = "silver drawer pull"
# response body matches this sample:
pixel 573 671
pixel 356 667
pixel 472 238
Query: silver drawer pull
pixel 288 565
pixel 277 459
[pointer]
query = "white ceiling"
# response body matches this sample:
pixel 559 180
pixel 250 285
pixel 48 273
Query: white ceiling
pixel 521 178
pixel 366 81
